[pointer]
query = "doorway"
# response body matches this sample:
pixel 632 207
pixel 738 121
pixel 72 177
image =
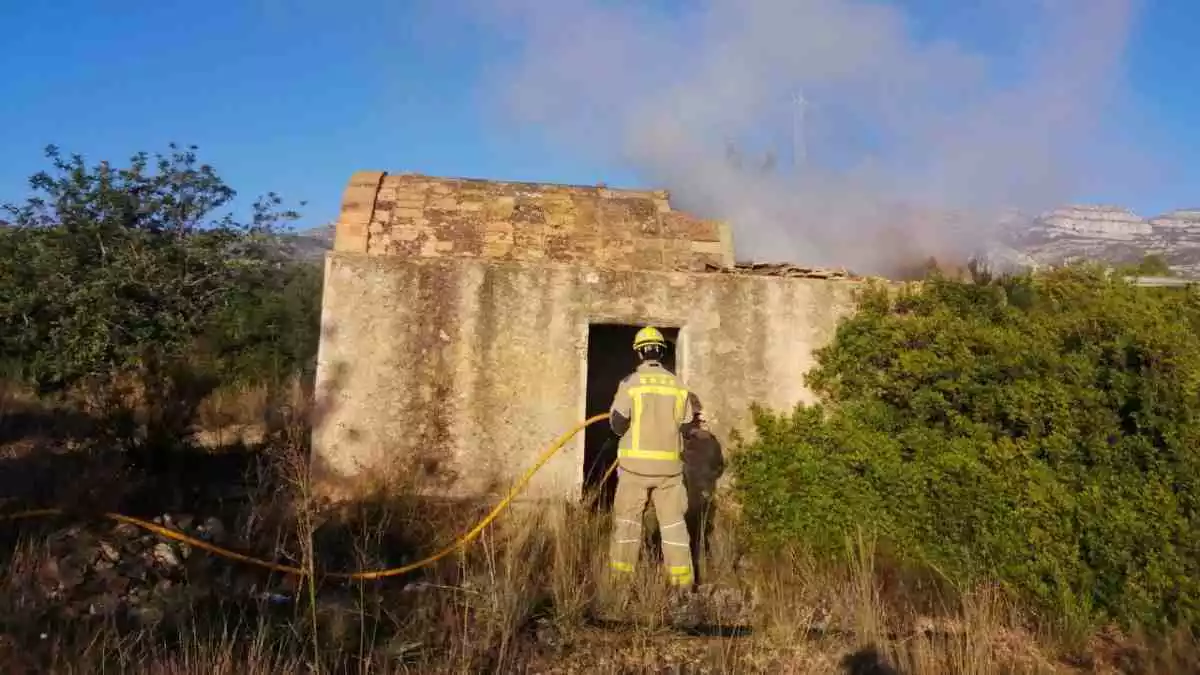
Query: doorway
pixel 610 358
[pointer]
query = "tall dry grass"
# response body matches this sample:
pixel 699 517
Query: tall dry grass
pixel 523 598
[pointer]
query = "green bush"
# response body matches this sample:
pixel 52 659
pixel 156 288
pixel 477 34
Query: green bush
pixel 131 282
pixel 1039 430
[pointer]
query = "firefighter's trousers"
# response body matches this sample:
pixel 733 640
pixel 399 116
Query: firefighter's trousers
pixel 669 497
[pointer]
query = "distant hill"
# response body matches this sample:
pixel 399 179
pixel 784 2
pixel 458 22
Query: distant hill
pixel 311 244
pixel 1103 233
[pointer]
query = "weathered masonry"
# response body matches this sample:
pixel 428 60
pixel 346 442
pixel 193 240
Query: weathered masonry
pixel 468 323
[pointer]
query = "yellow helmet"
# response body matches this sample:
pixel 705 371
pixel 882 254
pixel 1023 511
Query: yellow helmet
pixel 649 336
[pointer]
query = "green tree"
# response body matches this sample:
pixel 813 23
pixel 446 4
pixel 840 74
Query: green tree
pixel 1152 265
pixel 1043 430
pixel 127 281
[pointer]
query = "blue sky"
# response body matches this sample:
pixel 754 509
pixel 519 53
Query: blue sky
pixel 295 95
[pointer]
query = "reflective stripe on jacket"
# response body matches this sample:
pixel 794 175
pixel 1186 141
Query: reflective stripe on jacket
pixel 656 404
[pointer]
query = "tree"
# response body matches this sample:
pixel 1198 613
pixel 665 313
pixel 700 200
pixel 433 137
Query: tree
pixel 121 282
pixel 1153 265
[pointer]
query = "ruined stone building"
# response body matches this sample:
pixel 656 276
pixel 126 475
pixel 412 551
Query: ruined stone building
pixel 468 323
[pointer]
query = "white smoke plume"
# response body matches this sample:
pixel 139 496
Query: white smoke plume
pixel 902 125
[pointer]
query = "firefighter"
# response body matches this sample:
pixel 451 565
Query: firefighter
pixel 650 413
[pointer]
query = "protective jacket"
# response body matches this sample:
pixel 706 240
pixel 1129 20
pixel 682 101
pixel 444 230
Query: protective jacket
pixel 649 413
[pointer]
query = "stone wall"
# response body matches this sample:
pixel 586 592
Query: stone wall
pixel 464 369
pixel 429 217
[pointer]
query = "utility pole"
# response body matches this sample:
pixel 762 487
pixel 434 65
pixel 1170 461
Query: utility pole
pixel 799 138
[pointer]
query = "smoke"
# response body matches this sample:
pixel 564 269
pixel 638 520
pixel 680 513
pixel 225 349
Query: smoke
pixel 910 143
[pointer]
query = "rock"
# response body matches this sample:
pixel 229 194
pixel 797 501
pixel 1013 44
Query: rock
pixel 1107 222
pixel 48 573
pixel 399 648
pixel 105 605
pixel 547 634
pixel 1099 233
pixel 136 596
pixel 115 583
pixel 165 554
pixel 274 598
pixel 109 552
pixel 184 521
pixel 71 572
pixel 148 615
pixel 126 530
pixel 211 530
pixel 135 569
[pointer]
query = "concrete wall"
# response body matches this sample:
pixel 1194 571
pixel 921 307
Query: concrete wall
pixel 465 368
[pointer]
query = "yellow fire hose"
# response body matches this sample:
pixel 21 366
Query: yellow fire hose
pixel 458 544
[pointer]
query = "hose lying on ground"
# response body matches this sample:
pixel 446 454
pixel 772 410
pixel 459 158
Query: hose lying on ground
pixel 363 575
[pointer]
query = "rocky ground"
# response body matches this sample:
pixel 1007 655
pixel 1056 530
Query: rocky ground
pixel 122 572
pixel 99 580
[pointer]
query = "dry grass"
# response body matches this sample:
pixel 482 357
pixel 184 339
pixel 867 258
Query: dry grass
pixel 517 602
pixel 521 599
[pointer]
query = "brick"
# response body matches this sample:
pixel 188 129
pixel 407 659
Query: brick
pixel 649 227
pixel 677 255
pixel 709 247
pixel 684 226
pixel 502 208
pixel 529 238
pixel 350 237
pixel 646 254
pixel 398 180
pixel 366 179
pixel 497 249
pixel 587 214
pixel 526 210
pixel 498 232
pixel 407 247
pixel 379 244
pixel 561 248
pixel 430 248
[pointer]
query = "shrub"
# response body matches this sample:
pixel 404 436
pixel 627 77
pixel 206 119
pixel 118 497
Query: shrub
pixel 130 282
pixel 1043 430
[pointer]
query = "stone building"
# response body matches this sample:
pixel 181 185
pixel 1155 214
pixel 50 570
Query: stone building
pixel 468 323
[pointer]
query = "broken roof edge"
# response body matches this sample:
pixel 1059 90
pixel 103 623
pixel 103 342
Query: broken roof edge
pixel 787 269
pixel 599 187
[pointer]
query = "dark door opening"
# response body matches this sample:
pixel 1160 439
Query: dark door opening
pixel 610 357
